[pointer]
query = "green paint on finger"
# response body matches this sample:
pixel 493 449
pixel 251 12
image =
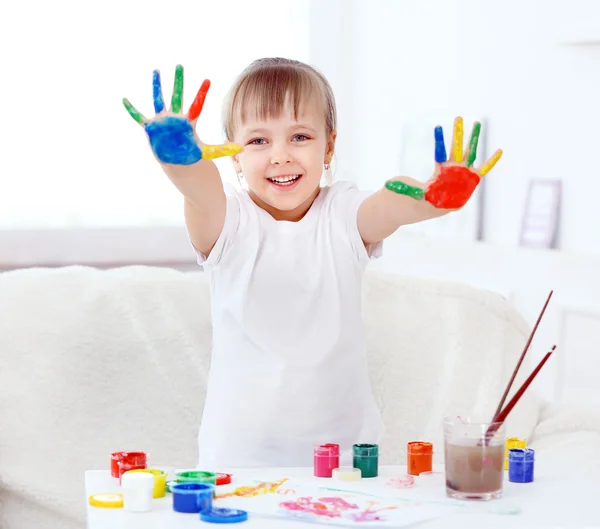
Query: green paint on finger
pixel 404 189
pixel 177 90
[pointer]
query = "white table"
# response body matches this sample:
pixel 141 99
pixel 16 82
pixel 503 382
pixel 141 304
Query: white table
pixel 550 502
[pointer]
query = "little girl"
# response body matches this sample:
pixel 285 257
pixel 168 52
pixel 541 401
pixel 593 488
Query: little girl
pixel 285 261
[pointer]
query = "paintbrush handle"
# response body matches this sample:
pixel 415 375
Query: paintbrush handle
pixel 525 349
pixel 501 417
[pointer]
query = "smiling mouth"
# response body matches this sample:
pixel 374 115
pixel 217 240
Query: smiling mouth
pixel 287 180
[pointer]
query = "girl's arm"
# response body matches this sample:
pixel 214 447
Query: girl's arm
pixel 381 214
pixel 204 201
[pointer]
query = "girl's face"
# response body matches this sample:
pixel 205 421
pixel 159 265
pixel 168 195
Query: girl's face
pixel 283 158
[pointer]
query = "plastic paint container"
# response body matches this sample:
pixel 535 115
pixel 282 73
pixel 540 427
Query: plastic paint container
pixel 326 458
pixel 160 480
pixel 513 442
pixel 192 497
pixel 521 465
pixel 346 473
pixel 366 458
pixel 196 476
pixel 223 516
pixel 107 500
pixel 137 491
pixel 131 459
pixel 419 457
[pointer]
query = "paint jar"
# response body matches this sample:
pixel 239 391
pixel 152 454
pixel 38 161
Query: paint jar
pixel 133 459
pixel 521 465
pixel 419 455
pixel 366 458
pixel 346 474
pixel 124 467
pixel 196 476
pixel 160 480
pixel 513 442
pixel 474 459
pixel 137 491
pixel 192 497
pixel 326 458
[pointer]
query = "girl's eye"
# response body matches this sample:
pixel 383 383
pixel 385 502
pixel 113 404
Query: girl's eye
pixel 257 141
pixel 300 137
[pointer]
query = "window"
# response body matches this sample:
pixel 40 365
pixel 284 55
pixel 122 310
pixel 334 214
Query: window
pixel 78 180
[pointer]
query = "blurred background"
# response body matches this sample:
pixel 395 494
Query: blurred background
pixel 79 185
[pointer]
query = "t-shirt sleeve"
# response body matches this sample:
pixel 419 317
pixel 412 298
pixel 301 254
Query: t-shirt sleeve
pixel 226 238
pixel 346 200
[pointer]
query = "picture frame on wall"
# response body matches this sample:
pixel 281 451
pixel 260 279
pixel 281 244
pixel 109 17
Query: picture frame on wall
pixel 539 227
pixel 417 160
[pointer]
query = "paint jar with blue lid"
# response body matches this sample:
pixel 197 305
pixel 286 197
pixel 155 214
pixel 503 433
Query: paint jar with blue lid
pixel 366 459
pixel 224 516
pixel 521 465
pixel 192 497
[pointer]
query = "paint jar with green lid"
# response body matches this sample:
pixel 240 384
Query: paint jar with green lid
pixel 196 476
pixel 366 459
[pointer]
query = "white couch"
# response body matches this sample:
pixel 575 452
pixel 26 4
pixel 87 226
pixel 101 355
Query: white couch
pixel 96 361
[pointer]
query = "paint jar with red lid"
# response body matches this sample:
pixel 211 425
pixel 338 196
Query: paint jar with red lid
pixel 121 462
pixel 326 458
pixel 419 457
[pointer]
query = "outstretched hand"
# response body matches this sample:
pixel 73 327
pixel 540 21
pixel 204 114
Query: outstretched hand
pixel 172 135
pixel 454 180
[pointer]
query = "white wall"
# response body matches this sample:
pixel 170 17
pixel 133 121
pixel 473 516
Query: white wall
pixel 530 70
pixel 506 62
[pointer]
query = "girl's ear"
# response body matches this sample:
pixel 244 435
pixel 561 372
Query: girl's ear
pixel 330 147
pixel 236 164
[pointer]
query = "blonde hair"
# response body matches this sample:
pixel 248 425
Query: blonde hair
pixel 265 87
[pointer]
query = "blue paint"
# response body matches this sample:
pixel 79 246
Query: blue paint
pixel 172 140
pixel 520 465
pixel 193 497
pixel 440 147
pixel 159 103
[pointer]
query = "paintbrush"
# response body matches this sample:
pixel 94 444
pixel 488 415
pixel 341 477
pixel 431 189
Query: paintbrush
pixel 526 348
pixel 499 419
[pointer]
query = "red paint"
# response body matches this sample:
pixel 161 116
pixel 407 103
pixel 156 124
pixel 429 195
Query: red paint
pixel 420 457
pixel 326 458
pixel 132 459
pixel 198 104
pixel 223 479
pixel 453 187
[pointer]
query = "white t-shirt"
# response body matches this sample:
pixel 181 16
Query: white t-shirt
pixel 289 367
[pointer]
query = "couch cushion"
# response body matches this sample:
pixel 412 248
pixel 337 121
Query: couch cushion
pixel 95 361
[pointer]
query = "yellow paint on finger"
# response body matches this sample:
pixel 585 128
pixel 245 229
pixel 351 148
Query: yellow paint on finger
pixel 489 164
pixel 210 152
pixel 457 141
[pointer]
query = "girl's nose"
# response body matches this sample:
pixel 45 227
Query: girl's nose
pixel 280 155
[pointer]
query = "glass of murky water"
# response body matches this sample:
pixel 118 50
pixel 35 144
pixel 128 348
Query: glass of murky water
pixel 473 458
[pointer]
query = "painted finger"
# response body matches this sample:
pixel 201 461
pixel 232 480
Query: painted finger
pixel 440 147
pixel 198 103
pixel 133 112
pixel 457 141
pixel 489 164
pixel 472 154
pixel 177 90
pixel 210 152
pixel 157 96
pixel 404 189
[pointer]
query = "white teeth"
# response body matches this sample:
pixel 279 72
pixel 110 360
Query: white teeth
pixel 285 180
